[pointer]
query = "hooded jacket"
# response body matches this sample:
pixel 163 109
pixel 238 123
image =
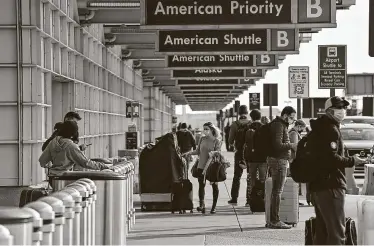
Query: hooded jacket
pixel 64 154
pixel 330 156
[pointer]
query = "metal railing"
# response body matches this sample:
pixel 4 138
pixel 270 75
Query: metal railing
pixel 84 208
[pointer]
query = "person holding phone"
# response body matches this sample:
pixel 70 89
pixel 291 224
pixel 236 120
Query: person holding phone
pixel 62 153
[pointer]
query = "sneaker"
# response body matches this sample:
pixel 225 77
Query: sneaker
pixel 233 202
pixel 280 225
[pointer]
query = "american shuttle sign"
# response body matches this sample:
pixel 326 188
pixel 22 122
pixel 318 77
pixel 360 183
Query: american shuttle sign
pixel 236 14
pixel 250 41
pixel 188 62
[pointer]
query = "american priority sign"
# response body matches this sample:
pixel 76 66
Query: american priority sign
pixel 254 101
pixel 298 80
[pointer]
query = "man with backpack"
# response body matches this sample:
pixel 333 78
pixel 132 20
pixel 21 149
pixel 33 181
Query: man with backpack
pixel 279 154
pixel 321 161
pixel 237 135
pixel 255 159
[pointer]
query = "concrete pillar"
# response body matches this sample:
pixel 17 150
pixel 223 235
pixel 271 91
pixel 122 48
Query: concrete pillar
pixel 149 114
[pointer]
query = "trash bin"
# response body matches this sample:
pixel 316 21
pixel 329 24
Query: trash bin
pixel 19 223
pixel 83 216
pixel 59 209
pixel 110 212
pixel 69 215
pixel 93 207
pixel 48 215
pixel 37 235
pixel 5 237
pixel 89 209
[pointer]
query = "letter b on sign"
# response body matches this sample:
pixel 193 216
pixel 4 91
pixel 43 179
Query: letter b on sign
pixel 312 11
pixel 283 40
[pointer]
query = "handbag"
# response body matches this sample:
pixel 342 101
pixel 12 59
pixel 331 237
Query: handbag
pixel 194 171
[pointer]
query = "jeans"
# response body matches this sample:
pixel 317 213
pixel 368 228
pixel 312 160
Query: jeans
pixel 252 168
pixel 278 169
pixel 330 217
pixel 202 183
pixel 238 172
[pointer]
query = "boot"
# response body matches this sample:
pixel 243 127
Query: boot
pixel 201 206
pixel 215 199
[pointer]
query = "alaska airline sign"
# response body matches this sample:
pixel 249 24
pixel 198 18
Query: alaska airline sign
pixel 208 42
pixel 208 82
pixel 236 14
pixel 188 62
pixel 217 74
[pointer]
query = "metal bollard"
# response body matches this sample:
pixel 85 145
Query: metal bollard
pixel 5 238
pixel 82 237
pixel 131 193
pixel 59 209
pixel 48 215
pixel 37 235
pixel 19 223
pixel 93 208
pixel 74 239
pixel 89 210
pixel 127 202
pixel 69 215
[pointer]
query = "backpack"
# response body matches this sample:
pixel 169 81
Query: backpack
pixel 262 140
pixel 303 168
pixel 240 135
pixel 257 201
pixel 249 144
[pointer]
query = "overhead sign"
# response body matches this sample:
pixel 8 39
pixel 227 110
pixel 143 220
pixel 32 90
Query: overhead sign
pixel 270 94
pixel 236 14
pixel 179 62
pixel 298 82
pixel 217 73
pixel 332 66
pixel 205 82
pixel 218 42
pixel 254 101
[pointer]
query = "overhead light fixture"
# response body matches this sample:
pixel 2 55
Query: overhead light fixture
pixel 119 4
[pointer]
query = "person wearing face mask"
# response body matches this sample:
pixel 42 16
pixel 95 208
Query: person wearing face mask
pixel 328 190
pixel 211 141
pixel 295 137
pixel 278 161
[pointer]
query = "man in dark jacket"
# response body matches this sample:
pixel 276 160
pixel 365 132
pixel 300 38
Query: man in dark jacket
pixel 238 171
pixel 255 160
pixel 278 161
pixel 186 141
pixel 70 116
pixel 227 133
pixel 328 191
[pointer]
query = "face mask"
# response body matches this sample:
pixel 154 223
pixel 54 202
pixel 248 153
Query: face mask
pixel 206 132
pixel 339 114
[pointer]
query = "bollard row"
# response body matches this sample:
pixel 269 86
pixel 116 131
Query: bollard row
pixel 86 208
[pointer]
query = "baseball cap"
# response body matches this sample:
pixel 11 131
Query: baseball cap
pixel 336 102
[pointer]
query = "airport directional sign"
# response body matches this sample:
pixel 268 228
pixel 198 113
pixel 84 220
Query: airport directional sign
pixel 218 42
pixel 208 82
pixel 237 61
pixel 217 74
pixel 237 14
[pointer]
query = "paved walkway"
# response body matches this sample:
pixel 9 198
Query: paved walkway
pixel 230 226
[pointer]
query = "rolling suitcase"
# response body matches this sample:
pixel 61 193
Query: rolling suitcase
pixel 182 197
pixel 31 195
pixel 257 201
pixel 289 205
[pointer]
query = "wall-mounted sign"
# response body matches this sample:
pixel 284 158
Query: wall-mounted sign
pixel 205 82
pixel 187 62
pixel 132 140
pixel 128 109
pixel 254 101
pixel 218 42
pixel 298 82
pixel 332 66
pixel 135 110
pixel 235 14
pixel 217 73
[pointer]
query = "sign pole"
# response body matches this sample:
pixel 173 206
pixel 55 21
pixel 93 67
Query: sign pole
pixel 332 92
pixel 270 103
pixel 299 108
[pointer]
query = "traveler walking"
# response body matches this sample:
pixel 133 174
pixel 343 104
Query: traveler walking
pixel 278 161
pixel 255 158
pixel 295 137
pixel 186 142
pixel 227 133
pixel 237 135
pixel 62 153
pixel 328 188
pixel 210 142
